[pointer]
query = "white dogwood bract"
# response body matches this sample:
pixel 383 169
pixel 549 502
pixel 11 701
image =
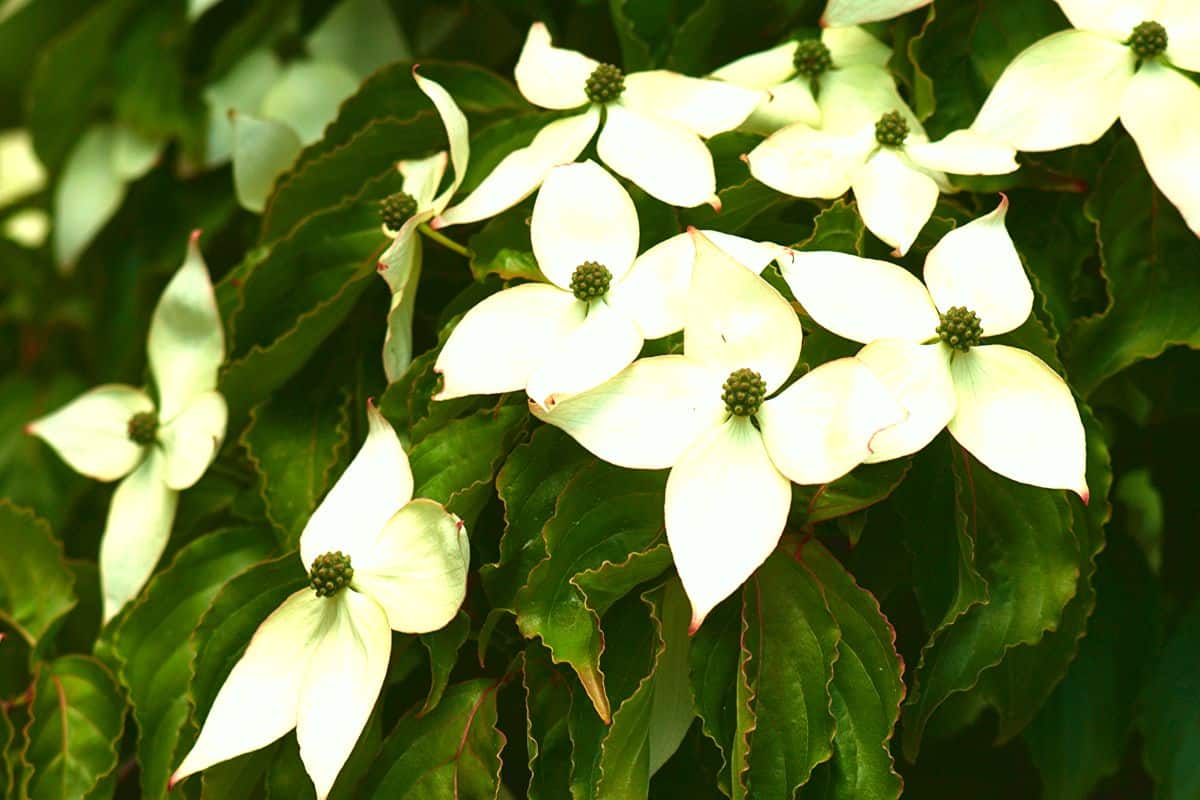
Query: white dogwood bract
pixel 1122 61
pixel 317 663
pixel 871 142
pixel 116 431
pixel 856 57
pixel 400 264
pixel 652 129
pixel 856 12
pixel 554 341
pixel 729 490
pixel 1003 404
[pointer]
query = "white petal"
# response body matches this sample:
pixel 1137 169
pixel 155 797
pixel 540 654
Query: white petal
pixel 821 427
pixel 262 150
pixel 375 486
pixel 87 195
pixel 364 35
pixel 522 171
pixel 133 155
pixel 422 176
pixel 851 46
pixel 91 433
pixel 654 292
pixel 400 266
pixel 1161 111
pixel 307 96
pixel 977 266
pixel 1018 417
pixel 1060 91
pixel 804 162
pixel 191 440
pixel 607 342
pixel 726 506
pixel 582 214
pixel 666 159
pixel 855 97
pixel 341 685
pixel 260 699
pixel 241 89
pixel 549 76
pixel 187 343
pixel 417 567
pixel 964 152
pixel 1114 19
pixel 703 106
pixel 762 70
pixel 646 416
pixel 21 172
pixel 1182 22
pixel 856 12
pixel 895 198
pixel 736 319
pixel 455 123
pixel 788 102
pixel 861 299
pixel 499 343
pixel 918 377
pixel 136 532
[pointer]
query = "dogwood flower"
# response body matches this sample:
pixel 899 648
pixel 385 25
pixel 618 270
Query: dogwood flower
pixel 117 431
pixel 856 12
pixel 416 203
pixel 1123 60
pixel 794 71
pixel 654 124
pixel 872 142
pixel 1003 404
pixel 706 416
pixel 377 561
pixel 589 321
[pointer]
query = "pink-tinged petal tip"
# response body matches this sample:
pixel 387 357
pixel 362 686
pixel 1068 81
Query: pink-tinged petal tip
pixel 715 202
pixel 415 67
pixel 381 267
pixel 27 428
pixel 692 231
pixel 195 235
pixel 694 625
pixel 437 223
pixel 1084 494
pixel 823 21
pixel 171 782
pixel 744 158
pixel 371 405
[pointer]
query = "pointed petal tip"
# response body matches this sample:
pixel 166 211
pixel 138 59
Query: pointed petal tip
pixel 744 158
pixel 823 21
pixel 1084 494
pixel 437 223
pixel 415 67
pixel 715 203
pixel 695 624
pixel 28 428
pixel 195 236
pixel 380 267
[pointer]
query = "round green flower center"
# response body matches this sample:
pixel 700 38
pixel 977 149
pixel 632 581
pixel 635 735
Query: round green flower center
pixel 743 392
pixel 812 58
pixel 142 427
pixel 395 209
pixel 1149 39
pixel 605 84
pixel 891 130
pixel 330 573
pixel 960 328
pixel 590 280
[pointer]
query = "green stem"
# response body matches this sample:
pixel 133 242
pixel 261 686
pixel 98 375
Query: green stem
pixel 443 240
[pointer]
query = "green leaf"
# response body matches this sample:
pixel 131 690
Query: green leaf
pixel 529 485
pixel 1081 733
pixel 453 751
pixel 604 514
pixel 77 716
pixel 443 646
pixel 36 586
pixel 296 440
pixel 155 648
pixel 867 688
pixel 547 709
pixel 789 642
pixel 7 736
pixel 1148 258
pixel 713 670
pixel 862 488
pixel 502 247
pixel 1030 559
pixel 1170 714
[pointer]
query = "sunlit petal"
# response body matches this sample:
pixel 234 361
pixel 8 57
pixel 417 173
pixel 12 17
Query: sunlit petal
pixel 918 377
pixel 91 433
pixel 666 159
pixel 549 76
pixel 606 343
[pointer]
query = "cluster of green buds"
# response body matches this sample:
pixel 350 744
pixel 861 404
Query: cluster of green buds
pixel 892 129
pixel 743 392
pixel 396 209
pixel 960 328
pixel 143 428
pixel 330 573
pixel 812 58
pixel 1149 39
pixel 590 280
pixel 605 84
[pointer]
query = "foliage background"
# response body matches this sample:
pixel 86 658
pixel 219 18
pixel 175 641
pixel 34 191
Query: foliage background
pixel 1048 649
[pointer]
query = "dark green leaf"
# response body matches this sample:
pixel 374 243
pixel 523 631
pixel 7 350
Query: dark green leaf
pixel 1170 715
pixel 443 646
pixel 36 586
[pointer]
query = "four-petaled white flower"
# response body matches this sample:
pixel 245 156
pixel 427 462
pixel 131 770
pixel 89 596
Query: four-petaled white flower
pixel 871 141
pixel 378 561
pixel 116 431
pixel 1123 61
pixel 707 416
pixel 654 126
pixel 588 323
pixel 1003 404
pixel 417 202
pixel 856 12
pixel 792 71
